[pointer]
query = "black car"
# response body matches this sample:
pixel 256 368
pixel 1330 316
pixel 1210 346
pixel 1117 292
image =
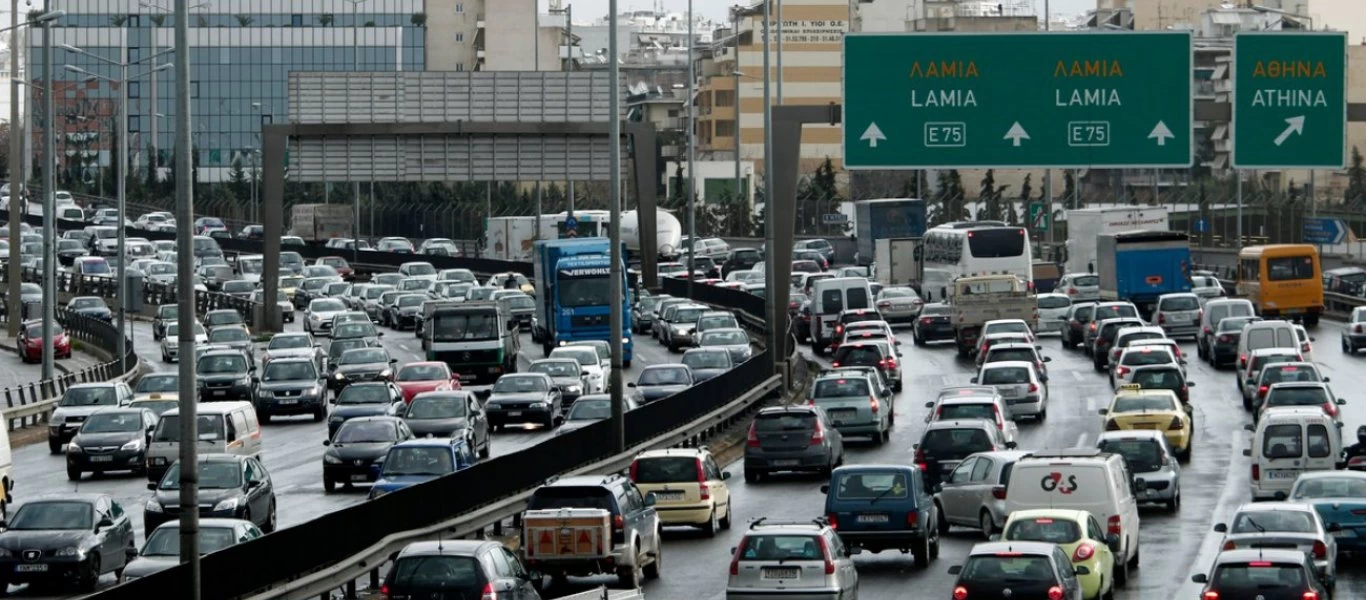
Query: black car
pixel 253 232
pixel 661 381
pixel 1265 573
pixel 337 348
pixel 449 414
pixel 485 569
pixel 166 314
pixel 90 306
pixel 162 548
pixel 403 313
pixel 222 317
pixel 68 250
pixel 354 448
pixel 523 398
pixel 367 399
pixel 358 365
pixel 566 374
pixel 71 538
pixel 706 363
pixel 1018 570
pixel 113 439
pixel 225 375
pixel 933 324
pixel 741 259
pixel 1227 335
pixel 643 313
pixel 291 386
pixel 230 487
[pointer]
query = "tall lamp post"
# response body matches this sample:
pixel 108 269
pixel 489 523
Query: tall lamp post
pixel 154 160
pixel 691 104
pixel 49 195
pixel 121 170
pixel 355 185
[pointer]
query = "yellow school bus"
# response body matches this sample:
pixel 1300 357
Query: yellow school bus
pixel 1282 281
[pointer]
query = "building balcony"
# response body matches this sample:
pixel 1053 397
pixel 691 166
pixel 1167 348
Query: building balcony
pixel 479 21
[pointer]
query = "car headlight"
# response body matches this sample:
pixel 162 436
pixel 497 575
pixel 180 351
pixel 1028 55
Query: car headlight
pixel 71 551
pixel 229 504
pixel 5 553
pixel 539 405
pixel 73 449
pixel 331 460
pixel 573 389
pixel 340 376
pixel 152 505
pixel 135 444
pixel 172 342
pixel 387 373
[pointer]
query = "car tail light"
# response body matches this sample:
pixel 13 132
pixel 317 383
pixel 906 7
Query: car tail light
pixel 1230 545
pixel 1357 329
pixel 1224 339
pixel 1310 595
pixel 1242 360
pixel 1261 391
pixel 1084 552
pixel 1161 318
pixel 818 435
pixel 752 439
pixel 635 467
pixel 1000 422
pixel 1207 330
pixel 873 405
pixel 489 593
pixel 735 560
pixel 960 593
pixel 1256 473
pixel 1033 387
pixel 1185 394
pixel 1093 327
pixel 998 492
pixel 1175 424
pixel 1200 315
pixel 1330 409
pixel 835 364
pixel 890 363
pixel 1210 595
pixel 1121 371
pixel 1071 291
pixel 384 591
pixel 1320 551
pixel 1304 347
pixel 1112 525
pixel 884 304
pixel 833 519
pixel 920 461
pixel 617 522
pixel 825 553
pixel 702 487
pixel 1055 593
pixel 839 329
pixel 927 321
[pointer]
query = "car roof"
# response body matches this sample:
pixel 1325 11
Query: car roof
pixel 1133 434
pixel 1247 555
pixel 1275 352
pixel 799 408
pixel 93 384
pixel 1274 506
pixel 960 424
pixel 456 547
pixel 1039 548
pixel 220 458
pixel 1079 516
pixel 1011 346
pixel 430 442
pixel 1177 295
pixel 666 452
pixel 1005 364
pixel 1299 384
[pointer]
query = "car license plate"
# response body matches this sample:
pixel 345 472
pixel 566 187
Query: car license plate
pixel 360 477
pixel 220 392
pixel 1344 533
pixel 1145 426
pixel 101 459
pixel 669 495
pixel 288 400
pixel 1283 473
pixel 514 413
pixel 840 415
pixel 873 518
pixel 784 573
pixel 790 462
pixel 30 568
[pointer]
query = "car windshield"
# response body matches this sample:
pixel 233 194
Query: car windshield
pixel 1158 379
pixel 664 376
pixel 366 432
pixel 364 394
pixel 210 365
pixel 585 356
pixel 1042 529
pixel 1007 568
pixel 590 410
pixel 222 317
pixel 870 485
pixel 53 514
pixel 1005 375
pixel 423 373
pixel 519 385
pixel 289 342
pixel 228 334
pixel 1258 579
pixel 326 305
pixel 158 382
pixel 1011 327
pixel 89 396
pixel 1146 356
pixel 340 347
pixel 841 388
pixel 65 244
pixel 165 541
pixel 294 370
pixel 687 315
pixel 35 330
pixel 521 302
pixel 441 406
pixel 1329 487
pixel 665 469
pixel 421 269
pixel 1054 302
pixel 364 356
pixel 95 267
pixel 213 475
pixel 707 360
pixel 779 547
pixel 1263 521
pixel 168 428
pixel 556 368
pixel 291 282
pixel 84 303
pixel 419 460
pixel 464 326
pixel 162 268
pixel 1297 396
pixel 949 412
pixel 353 330
pixel 1142 456
pixel 113 422
pixel 724 338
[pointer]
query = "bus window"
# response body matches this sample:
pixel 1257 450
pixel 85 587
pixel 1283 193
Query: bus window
pixel 1289 268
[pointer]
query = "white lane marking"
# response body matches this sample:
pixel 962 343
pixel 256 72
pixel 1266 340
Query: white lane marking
pixel 1091 407
pixel 1230 496
pixel 946 380
pixel 1077 375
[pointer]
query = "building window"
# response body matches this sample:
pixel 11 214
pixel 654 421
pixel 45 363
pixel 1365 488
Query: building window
pixel 194 89
pixel 459 67
pixel 459 36
pixel 134 21
pixel 134 124
pixel 459 7
pixel 135 89
pixel 266 119
pixel 296 20
pixel 134 54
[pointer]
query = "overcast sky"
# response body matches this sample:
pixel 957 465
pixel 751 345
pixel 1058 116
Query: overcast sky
pixel 716 9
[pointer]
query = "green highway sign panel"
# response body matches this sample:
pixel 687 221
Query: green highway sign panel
pixel 1290 100
pixel 1021 100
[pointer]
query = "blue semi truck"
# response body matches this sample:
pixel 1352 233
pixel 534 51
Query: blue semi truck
pixel 1140 266
pixel 885 218
pixel 574 299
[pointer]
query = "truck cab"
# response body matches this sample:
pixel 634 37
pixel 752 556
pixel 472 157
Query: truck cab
pixel 477 339
pixel 575 303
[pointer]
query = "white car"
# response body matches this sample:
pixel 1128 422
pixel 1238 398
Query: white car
pixel 286 306
pixel 1122 371
pixel 589 361
pixel 1207 288
pixel 170 344
pixel 418 270
pixel 320 313
pixel 1306 343
pixel 1052 312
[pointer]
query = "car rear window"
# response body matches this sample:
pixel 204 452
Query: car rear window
pixel 859 355
pixel 955 444
pixel 1180 303
pixel 1146 357
pixel 1282 441
pixel 1087 281
pixel 1043 529
pixel 870 485
pixel 838 388
pixel 1289 374
pixel 1142 456
pixel 1262 521
pixel 1083 313
pixel 1297 396
pixel 1005 375
pixel 784 422
pixel 665 469
pixel 1159 379
pixel 781 547
pixel 1013 569
pixel 949 412
pixel 1256 579
pixel 453 576
pixel 1010 354
pixel 1115 312
pixel 572 497
pixel 1054 302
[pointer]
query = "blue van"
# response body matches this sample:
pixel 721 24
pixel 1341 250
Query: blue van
pixel 419 461
pixel 883 507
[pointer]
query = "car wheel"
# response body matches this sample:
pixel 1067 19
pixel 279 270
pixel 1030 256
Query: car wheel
pixel 987 524
pixel 73 474
pixel 264 417
pixel 91 577
pixel 656 566
pixel 1348 348
pixel 487 450
pixel 54 446
pixel 711 525
pixel 329 485
pixel 934 546
pixel 271 519
pixel 752 476
pixel 1174 504
pixel 922 553
pixel 628 577
pixel 725 521
pixel 319 414
pixel 1121 572
pixel 942 521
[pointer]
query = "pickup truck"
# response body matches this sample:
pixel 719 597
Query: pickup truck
pixel 592 525
pixel 983 298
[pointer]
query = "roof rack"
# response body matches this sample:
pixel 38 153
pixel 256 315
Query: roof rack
pixel 1068 453
pixel 766 522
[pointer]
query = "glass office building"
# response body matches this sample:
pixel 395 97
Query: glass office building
pixel 241 53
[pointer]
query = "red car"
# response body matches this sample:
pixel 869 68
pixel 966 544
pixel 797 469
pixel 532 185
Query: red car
pixel 336 262
pixel 418 377
pixel 31 342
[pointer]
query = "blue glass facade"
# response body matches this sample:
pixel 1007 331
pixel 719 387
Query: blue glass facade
pixel 238 60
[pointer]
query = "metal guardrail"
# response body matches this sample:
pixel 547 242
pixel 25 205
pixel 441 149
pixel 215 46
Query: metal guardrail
pixel 1335 306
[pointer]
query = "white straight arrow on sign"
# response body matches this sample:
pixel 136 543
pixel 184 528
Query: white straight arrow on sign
pixel 872 135
pixel 1016 134
pixel 1161 133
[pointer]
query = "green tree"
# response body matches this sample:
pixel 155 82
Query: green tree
pixel 679 189
pixel 243 20
pixel 1069 188
pixel 1355 194
pixel 991 206
pixel 418 19
pixel 238 182
pixel 158 20
pixel 1013 216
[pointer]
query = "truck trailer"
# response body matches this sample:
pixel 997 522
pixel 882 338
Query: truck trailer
pixel 1086 225
pixel 1140 266
pixel 885 218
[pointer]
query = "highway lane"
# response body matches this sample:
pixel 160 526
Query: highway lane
pixel 1173 546
pixel 15 372
pixel 292 450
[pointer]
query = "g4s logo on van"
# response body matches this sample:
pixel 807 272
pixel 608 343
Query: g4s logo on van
pixel 1053 482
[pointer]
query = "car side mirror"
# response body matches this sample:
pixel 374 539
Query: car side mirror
pixel 825 488
pixel 1327 379
pixel 1200 578
pixel 1342 401
pixel 105 522
pixel 1080 570
pixel 1048 359
pixel 1313 339
pixel 973 380
pixel 253 484
pixel 1011 445
pixel 1221 528
pixel 379 334
pixel 1250 427
pixel 956 569
pixel 1103 411
pixel 929 405
pixel 152 485
pixel 631 384
pixel 1190 384
pixel 650 499
pixel 725 475
pixel 327 442
pixel 255 379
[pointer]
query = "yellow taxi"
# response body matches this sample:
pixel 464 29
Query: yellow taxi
pixel 1079 534
pixel 289 284
pixel 157 392
pixel 1135 408
pixel 689 487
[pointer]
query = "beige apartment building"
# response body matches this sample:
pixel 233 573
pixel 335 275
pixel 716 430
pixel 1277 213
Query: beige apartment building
pixel 493 35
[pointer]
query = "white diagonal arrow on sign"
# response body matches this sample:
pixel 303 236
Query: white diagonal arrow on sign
pixel 1016 134
pixel 872 135
pixel 1161 133
pixel 1294 125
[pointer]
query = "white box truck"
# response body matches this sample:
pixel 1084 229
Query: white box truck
pixel 1085 225
pixel 321 222
pixel 510 238
pixel 895 261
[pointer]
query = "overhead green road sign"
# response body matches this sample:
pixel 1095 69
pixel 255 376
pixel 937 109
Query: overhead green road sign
pixel 1290 100
pixel 1025 100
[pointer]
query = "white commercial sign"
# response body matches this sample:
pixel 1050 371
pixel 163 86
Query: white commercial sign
pixel 813 32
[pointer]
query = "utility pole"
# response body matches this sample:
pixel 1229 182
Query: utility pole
pixel 691 105
pixel 569 66
pixel 616 290
pixel 740 192
pixel 355 183
pixel 1047 173
pixel 49 202
pixel 778 36
pixel 775 337
pixel 17 179
pixel 189 407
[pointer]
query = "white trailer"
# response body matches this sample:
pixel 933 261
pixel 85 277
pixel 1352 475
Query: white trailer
pixel 510 238
pixel 895 261
pixel 1085 225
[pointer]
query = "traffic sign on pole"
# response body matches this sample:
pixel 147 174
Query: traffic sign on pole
pixel 834 218
pixel 1290 100
pixel 1325 230
pixel 1038 218
pixel 1022 100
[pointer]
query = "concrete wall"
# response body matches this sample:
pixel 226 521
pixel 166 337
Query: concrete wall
pixel 451 35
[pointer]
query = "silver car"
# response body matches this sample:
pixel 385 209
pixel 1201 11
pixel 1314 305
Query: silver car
pixel 735 341
pixel 974 494
pixel 1207 288
pixel 899 304
pixel 853 406
pixel 1080 286
pixel 1290 525
pixel 300 345
pixel 973 404
pixel 801 559
pixel 170 344
pixel 1149 459
pixel 1019 383
pixel 1052 312
pixel 1178 314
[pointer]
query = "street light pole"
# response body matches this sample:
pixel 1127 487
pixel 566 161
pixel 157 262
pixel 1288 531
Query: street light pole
pixel 615 287
pixel 691 105
pixel 771 283
pixel 185 293
pixel 49 203
pixel 355 183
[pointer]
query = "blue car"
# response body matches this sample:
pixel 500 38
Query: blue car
pixel 1340 499
pixel 883 507
pixel 418 461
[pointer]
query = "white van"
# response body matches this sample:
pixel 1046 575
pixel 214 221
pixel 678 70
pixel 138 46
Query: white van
pixel 1082 479
pixel 1287 442
pixel 829 297
pixel 1266 334
pixel 224 428
pixel 1218 310
pixel 6 473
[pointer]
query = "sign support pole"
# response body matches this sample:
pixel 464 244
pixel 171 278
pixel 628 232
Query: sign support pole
pixel 1239 243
